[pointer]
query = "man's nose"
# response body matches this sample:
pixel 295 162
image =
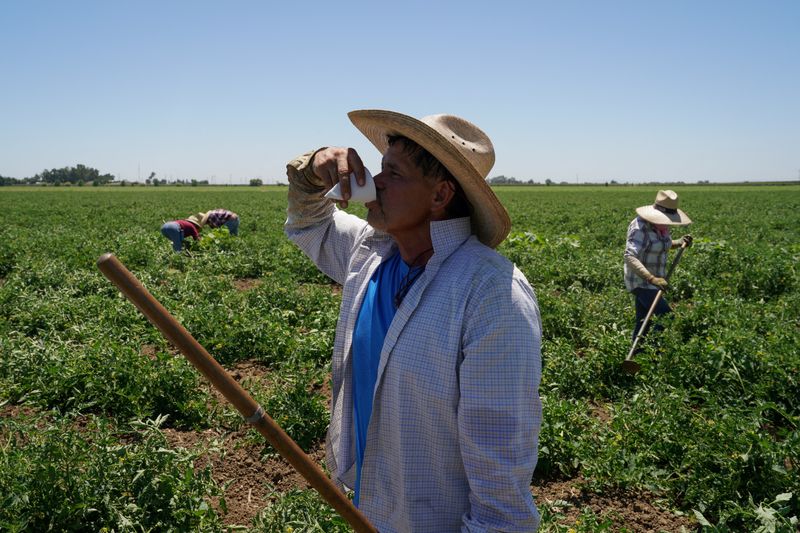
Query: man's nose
pixel 378 179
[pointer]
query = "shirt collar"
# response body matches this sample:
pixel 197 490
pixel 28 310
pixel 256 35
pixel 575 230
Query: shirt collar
pixel 447 235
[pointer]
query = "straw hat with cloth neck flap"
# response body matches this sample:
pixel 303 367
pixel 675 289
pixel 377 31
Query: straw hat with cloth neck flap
pixel 460 146
pixel 664 211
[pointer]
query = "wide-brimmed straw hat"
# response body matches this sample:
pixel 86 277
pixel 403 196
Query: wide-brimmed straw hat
pixel 460 146
pixel 664 211
pixel 198 220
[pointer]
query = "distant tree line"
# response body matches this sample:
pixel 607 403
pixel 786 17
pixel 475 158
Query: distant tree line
pixel 14 181
pixel 82 175
pixel 503 180
pixel 155 182
pixel 77 175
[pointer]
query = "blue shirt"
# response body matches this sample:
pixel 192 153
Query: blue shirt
pixel 374 319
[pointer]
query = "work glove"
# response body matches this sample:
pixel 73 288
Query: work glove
pixel 688 239
pixel 661 283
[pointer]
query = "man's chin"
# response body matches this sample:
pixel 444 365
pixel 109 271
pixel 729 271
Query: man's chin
pixel 375 219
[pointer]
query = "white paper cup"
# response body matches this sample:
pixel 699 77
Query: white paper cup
pixel 363 194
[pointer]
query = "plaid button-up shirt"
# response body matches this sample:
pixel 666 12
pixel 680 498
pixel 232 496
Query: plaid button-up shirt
pixel 218 217
pixel 645 244
pixel 452 442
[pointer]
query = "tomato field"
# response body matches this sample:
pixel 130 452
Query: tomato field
pixel 105 427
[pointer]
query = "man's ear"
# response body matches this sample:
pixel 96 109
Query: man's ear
pixel 442 195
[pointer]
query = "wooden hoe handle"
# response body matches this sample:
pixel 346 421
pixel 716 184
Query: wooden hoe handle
pixel 132 288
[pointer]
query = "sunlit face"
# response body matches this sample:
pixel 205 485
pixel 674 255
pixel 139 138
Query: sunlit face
pixel 404 197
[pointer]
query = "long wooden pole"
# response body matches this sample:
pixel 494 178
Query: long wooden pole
pixel 629 365
pixel 127 283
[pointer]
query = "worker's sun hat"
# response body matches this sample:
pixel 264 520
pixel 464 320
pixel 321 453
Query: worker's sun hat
pixel 198 220
pixel 460 146
pixel 664 211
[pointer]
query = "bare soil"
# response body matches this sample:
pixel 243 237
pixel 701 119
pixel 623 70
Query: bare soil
pixel 627 511
pixel 251 483
pixel 245 284
pixel 252 480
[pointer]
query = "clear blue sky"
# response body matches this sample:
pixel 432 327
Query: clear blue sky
pixel 573 91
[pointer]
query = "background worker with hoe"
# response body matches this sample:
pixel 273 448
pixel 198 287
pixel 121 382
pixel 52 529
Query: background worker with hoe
pixel 645 257
pixel 436 364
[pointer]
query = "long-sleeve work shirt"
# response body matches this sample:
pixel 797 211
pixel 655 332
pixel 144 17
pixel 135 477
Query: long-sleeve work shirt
pixel 452 441
pixel 646 245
